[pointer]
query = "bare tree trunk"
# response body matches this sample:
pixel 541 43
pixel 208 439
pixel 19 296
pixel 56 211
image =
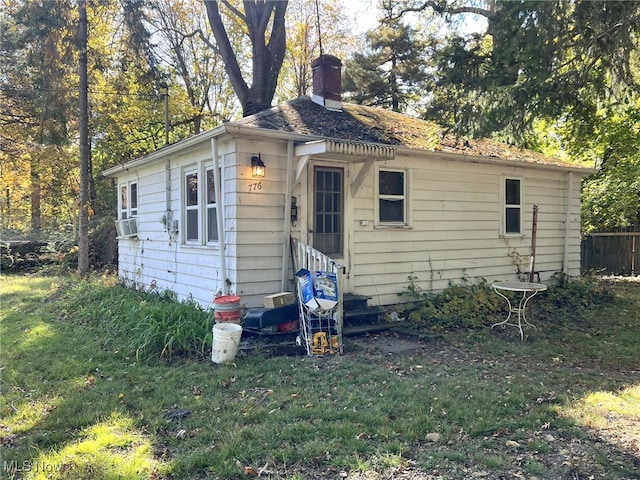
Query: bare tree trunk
pixel 83 219
pixel 267 49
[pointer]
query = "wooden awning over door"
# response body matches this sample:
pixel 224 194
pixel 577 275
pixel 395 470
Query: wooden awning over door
pixel 368 153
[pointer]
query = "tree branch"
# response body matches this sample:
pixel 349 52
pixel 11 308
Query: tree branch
pixel 445 9
pixel 233 9
pixel 207 42
pixel 469 9
pixel 226 51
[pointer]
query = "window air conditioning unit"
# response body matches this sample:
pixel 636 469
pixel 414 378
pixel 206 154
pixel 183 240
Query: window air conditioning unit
pixel 127 228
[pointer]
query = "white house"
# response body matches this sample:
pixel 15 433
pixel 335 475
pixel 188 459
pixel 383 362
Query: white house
pixel 385 195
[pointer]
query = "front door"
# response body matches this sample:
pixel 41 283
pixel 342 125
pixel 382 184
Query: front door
pixel 328 211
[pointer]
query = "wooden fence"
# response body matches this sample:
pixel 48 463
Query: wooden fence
pixel 612 253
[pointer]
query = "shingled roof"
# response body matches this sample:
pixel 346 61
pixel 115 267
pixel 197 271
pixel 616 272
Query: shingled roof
pixel 376 125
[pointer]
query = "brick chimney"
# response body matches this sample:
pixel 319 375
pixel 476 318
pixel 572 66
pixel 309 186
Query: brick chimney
pixel 327 82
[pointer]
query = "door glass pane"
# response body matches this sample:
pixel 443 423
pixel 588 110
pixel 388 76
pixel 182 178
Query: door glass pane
pixel 328 227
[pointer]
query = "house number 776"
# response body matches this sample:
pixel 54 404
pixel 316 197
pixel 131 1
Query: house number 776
pixel 255 186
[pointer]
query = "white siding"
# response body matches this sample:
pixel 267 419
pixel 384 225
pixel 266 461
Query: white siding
pixel 156 260
pixel 454 231
pixel 260 228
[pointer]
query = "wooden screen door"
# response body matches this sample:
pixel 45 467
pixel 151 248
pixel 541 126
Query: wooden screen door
pixel 328 211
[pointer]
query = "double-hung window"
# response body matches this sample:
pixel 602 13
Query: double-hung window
pixel 392 197
pixel 512 206
pixel 200 207
pixel 128 200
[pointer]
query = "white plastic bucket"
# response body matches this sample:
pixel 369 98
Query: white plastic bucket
pixel 226 342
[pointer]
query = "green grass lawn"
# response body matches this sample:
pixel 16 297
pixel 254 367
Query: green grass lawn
pixel 85 397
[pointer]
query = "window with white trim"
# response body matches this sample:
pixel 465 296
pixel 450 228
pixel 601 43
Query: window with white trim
pixel 192 208
pixel 392 197
pixel 128 200
pixel 200 224
pixel 512 206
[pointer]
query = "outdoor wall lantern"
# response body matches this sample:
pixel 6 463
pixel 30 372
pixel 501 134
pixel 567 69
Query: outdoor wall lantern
pixel 258 168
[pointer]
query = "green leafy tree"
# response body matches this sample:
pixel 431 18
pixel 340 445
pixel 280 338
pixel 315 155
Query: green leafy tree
pixel 537 59
pixel 38 100
pixel 126 95
pixel 611 197
pixel 39 88
pixel 390 74
pixel 559 75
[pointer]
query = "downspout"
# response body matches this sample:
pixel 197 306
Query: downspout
pixel 219 216
pixel 567 226
pixel 286 244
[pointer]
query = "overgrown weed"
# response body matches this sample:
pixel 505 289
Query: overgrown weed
pixel 474 306
pixel 143 324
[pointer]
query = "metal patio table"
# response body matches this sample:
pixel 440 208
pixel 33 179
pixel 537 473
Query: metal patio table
pixel 528 291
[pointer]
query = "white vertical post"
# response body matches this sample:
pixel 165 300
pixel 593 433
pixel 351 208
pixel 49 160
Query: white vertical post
pixel 219 214
pixel 288 190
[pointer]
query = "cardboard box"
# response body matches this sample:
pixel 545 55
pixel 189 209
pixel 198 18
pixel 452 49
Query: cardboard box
pixel 278 300
pixel 305 284
pixel 325 287
pixel 319 290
